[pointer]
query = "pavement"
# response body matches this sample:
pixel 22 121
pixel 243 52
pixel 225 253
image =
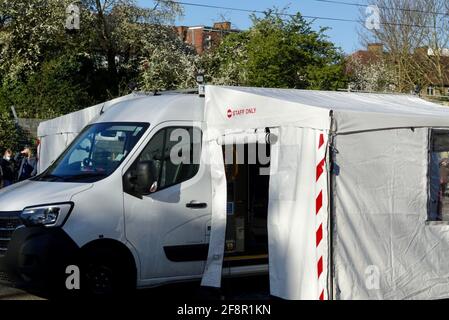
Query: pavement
pixel 248 288
pixel 8 293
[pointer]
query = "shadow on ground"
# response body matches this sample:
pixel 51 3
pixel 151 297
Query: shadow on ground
pixel 247 288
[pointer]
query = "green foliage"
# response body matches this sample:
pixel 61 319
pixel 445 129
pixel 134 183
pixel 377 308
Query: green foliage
pixel 46 70
pixel 278 52
pixel 226 65
pixel 56 88
pixel 11 136
pixel 168 63
pixel 32 29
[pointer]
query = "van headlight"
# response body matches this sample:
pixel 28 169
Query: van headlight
pixel 52 215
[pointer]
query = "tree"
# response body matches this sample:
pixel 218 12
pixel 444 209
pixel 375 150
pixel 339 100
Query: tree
pixel 46 70
pixel 122 29
pixel 226 64
pixel 31 29
pixel 415 34
pixel 278 52
pixel 168 63
pixel 9 133
pixel 58 87
pixel 372 76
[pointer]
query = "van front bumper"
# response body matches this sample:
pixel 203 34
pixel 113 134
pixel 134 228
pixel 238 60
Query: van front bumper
pixel 39 256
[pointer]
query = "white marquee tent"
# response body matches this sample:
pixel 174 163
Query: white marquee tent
pixel 360 232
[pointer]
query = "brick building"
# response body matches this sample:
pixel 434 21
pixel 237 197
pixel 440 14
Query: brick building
pixel 204 38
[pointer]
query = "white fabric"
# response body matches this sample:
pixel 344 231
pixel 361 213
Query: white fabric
pixel 306 108
pixel 56 134
pixel 244 137
pixel 51 147
pixel 213 270
pixel 381 209
pixel 292 219
pixel 253 110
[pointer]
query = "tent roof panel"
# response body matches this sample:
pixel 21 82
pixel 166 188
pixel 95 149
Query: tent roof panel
pixel 352 111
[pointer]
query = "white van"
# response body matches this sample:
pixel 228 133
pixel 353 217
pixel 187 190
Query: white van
pixel 116 205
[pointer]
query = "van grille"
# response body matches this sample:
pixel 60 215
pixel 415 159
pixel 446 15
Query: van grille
pixel 9 221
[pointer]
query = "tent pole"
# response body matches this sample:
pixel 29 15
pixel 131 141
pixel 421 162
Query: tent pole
pixel 331 180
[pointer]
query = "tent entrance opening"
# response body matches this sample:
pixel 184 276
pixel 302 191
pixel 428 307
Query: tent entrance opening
pixel 247 169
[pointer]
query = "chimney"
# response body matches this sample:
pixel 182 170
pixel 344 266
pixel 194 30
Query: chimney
pixel 225 25
pixel 182 32
pixel 377 48
pixel 423 51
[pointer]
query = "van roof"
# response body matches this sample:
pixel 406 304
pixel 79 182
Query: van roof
pixel 155 108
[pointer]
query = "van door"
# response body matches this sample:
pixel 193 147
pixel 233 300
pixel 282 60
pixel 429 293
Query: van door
pixel 168 226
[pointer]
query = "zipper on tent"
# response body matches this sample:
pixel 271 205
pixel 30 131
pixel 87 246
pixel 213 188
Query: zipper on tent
pixel 331 172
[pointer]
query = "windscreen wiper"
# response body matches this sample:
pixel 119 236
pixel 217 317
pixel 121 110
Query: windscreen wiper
pixel 51 177
pixel 86 175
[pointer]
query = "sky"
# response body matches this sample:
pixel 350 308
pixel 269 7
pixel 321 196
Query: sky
pixel 343 34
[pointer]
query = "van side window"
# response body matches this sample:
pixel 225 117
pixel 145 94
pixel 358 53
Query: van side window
pixel 176 152
pixel 439 176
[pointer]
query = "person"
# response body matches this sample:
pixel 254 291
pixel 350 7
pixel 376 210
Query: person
pixel 28 165
pixel 7 168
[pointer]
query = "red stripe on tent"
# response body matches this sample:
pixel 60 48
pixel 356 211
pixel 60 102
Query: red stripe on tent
pixel 322 295
pixel 319 169
pixel 320 266
pixel 321 140
pixel 319 202
pixel 319 234
pixel 318 206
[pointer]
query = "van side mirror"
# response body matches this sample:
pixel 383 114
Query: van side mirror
pixel 146 177
pixel 141 179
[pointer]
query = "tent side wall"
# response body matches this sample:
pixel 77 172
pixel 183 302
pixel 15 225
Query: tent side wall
pixel 51 147
pixel 383 248
pixel 298 215
pixel 297 209
pixel 56 134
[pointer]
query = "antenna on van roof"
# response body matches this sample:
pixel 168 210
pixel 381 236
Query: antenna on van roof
pixel 200 82
pixel 102 108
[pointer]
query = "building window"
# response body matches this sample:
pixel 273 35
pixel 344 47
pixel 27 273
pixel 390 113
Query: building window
pixel 439 176
pixel 430 91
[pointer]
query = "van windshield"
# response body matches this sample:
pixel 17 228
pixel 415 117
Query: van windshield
pixel 97 151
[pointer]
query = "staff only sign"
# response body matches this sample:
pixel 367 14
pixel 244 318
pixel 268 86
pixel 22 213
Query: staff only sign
pixel 240 112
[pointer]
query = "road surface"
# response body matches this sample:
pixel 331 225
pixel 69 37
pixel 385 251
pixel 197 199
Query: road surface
pixel 250 288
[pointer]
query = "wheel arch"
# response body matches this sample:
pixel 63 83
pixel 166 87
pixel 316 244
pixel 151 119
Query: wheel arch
pixel 116 249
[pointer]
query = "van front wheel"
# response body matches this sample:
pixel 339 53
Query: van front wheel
pixel 104 274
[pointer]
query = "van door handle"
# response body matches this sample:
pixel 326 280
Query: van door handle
pixel 196 205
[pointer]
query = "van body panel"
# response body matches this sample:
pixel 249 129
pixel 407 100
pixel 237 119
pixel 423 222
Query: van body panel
pixel 157 109
pixel 32 193
pixel 97 214
pixel 161 220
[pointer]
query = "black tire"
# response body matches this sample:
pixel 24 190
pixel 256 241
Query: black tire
pixel 105 274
